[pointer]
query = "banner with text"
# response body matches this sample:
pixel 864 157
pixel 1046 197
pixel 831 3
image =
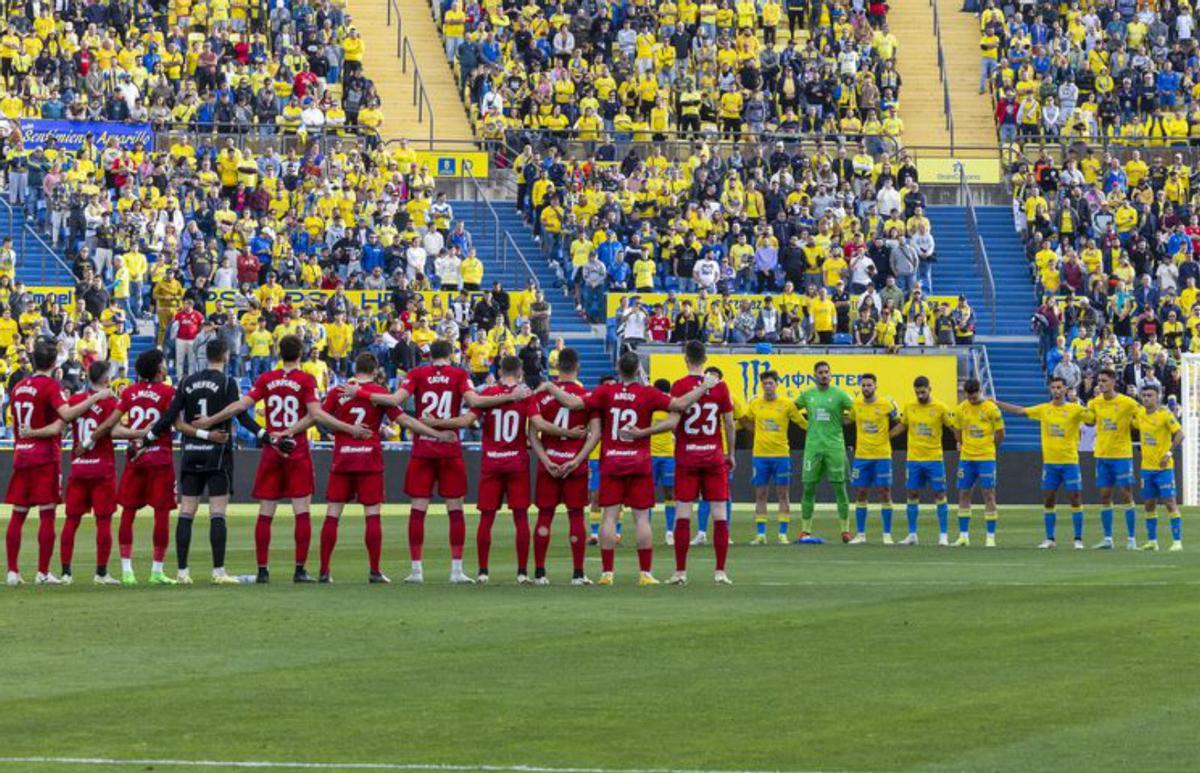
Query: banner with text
pixel 368 301
pixel 63 295
pixel 700 306
pixel 70 135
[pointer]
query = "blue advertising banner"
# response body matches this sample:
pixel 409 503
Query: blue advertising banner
pixel 70 134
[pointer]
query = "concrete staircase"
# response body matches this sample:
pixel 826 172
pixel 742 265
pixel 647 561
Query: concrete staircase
pixel 921 104
pixel 974 122
pixel 37 264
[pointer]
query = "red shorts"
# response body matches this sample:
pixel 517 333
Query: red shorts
pixel 365 487
pixel 511 487
pixel 634 491
pixel 448 473
pixel 708 483
pixel 33 486
pixel 551 492
pixel 148 487
pixel 279 477
pixel 94 495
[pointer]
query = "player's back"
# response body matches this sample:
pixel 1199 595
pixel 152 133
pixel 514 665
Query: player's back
pixel 34 404
pixel 99 461
pixel 562 449
pixel 285 396
pixel 143 404
pixel 437 391
pixel 505 443
pixel 698 441
pixel 351 454
pixel 621 406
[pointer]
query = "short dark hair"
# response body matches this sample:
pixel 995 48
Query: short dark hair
pixel 921 382
pixel 290 348
pixel 510 366
pixel 695 352
pixel 663 385
pixel 819 364
pixel 439 350
pixel 628 364
pixel 148 364
pixel 45 353
pixel 1152 386
pixel 216 350
pixel 770 374
pixel 972 386
pixel 1059 379
pixel 713 369
pixel 97 371
pixel 1108 372
pixel 865 376
pixel 365 364
pixel 568 361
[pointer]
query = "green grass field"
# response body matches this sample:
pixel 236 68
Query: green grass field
pixel 818 658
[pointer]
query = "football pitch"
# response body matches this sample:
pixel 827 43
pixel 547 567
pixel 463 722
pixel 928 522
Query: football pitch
pixel 818 658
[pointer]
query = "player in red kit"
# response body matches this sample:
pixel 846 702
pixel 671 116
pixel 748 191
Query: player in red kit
pixel 563 441
pixel 626 478
pixel 702 464
pixel 39 411
pixel 93 474
pixel 285 470
pixel 357 469
pixel 439 391
pixel 149 476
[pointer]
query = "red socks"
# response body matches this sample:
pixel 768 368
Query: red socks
pixel 303 535
pixel 162 533
pixel 683 538
pixel 606 559
pixel 262 539
pixel 66 548
pixel 458 534
pixel 645 558
pixel 329 537
pixel 721 542
pixel 541 537
pixel 578 531
pixel 416 533
pixel 46 537
pixel 374 540
pixel 521 523
pixel 103 540
pixel 125 532
pixel 483 539
pixel 12 539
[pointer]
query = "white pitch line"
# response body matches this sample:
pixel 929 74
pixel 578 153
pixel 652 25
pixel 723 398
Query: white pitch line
pixel 970 584
pixel 411 766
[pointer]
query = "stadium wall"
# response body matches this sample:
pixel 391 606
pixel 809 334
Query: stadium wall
pixel 1019 476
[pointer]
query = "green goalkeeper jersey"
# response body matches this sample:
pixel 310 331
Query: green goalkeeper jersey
pixel 825 409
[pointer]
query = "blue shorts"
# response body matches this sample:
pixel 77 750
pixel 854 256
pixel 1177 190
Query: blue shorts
pixel 1158 484
pixel 772 469
pixel 593 474
pixel 918 475
pixel 1065 476
pixel 976 472
pixel 871 473
pixel 663 469
pixel 1114 472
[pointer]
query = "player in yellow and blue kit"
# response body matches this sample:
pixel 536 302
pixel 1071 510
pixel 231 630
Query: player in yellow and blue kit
pixel 979 429
pixel 1161 435
pixel 1060 421
pixel 702 511
pixel 873 416
pixel 1114 415
pixel 662 464
pixel 924 420
pixel 770 415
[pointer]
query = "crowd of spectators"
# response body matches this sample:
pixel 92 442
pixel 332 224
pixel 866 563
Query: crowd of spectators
pixel 735 68
pixel 1113 249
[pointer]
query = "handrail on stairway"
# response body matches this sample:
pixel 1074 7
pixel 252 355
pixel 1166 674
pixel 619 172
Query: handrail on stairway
pixel 404 52
pixel 502 241
pixel 982 264
pixel 21 246
pixel 941 62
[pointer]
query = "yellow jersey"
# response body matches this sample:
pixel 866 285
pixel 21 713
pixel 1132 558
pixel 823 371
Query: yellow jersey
pixel 771 419
pixel 1114 422
pixel 925 422
pixel 1060 430
pixel 1158 430
pixel 872 427
pixel 978 425
pixel 662 444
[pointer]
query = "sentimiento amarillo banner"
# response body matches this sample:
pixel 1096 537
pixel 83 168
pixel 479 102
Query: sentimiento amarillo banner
pixel 895 372
pixel 369 301
pixel 614 300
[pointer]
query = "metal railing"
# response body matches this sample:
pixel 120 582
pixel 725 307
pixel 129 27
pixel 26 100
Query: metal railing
pixel 947 110
pixel 28 235
pixel 405 53
pixel 513 265
pixel 982 264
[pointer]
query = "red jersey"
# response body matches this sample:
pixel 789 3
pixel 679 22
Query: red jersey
pixel 505 444
pixel 698 440
pixel 189 324
pixel 349 453
pixel 660 328
pixel 620 406
pixel 561 449
pixel 34 404
pixel 285 395
pixel 100 461
pixel 437 391
pixel 143 404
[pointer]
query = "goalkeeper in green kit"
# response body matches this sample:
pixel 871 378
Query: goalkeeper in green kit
pixel 824 448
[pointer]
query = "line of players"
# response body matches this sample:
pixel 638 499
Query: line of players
pixel 567 423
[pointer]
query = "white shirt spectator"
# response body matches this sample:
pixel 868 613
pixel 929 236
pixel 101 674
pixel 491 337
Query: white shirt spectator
pixel 634 323
pixel 1168 276
pixel 491 100
pixel 888 199
pixel 862 268
pixel 449 269
pixel 706 273
pixel 414 259
pixel 433 242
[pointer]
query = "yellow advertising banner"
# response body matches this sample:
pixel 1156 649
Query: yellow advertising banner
pixel 981 171
pixel 64 295
pixel 368 301
pixel 895 372
pixel 471 163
